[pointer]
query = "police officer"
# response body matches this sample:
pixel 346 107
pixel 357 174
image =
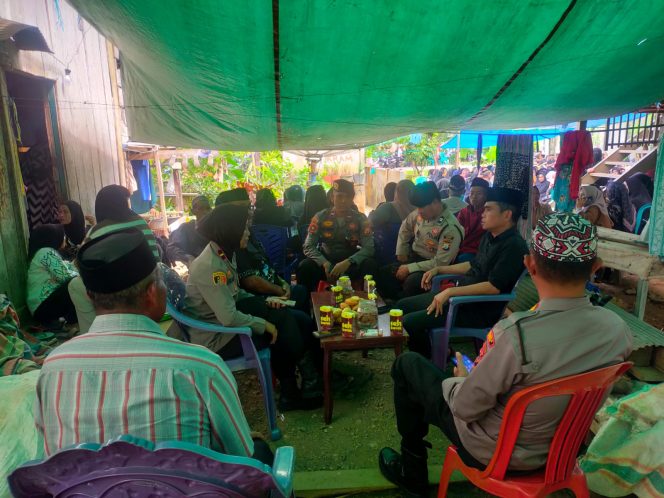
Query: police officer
pixel 339 242
pixel 214 295
pixel 429 237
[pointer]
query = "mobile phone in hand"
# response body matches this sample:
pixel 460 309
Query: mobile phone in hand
pixel 467 362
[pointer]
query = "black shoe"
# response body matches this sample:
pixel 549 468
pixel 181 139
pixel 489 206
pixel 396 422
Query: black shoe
pixel 291 397
pixel 312 382
pixel 410 476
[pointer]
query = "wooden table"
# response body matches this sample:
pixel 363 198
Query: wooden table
pixel 340 343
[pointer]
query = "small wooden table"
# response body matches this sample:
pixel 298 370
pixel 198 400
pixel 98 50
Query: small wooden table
pixel 340 343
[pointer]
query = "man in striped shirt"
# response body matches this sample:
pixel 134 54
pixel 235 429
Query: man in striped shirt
pixel 125 376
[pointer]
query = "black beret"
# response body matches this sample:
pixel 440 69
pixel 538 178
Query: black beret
pixel 479 182
pixel 506 195
pixel 343 187
pixel 115 261
pixel 424 194
pixel 457 183
pixel 235 195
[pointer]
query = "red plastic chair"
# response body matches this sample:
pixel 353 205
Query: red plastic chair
pixel 587 391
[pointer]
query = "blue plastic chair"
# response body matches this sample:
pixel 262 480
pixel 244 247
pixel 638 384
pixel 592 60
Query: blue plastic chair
pixel 131 466
pixel 639 218
pixel 259 360
pixel 385 243
pixel 440 336
pixel 274 240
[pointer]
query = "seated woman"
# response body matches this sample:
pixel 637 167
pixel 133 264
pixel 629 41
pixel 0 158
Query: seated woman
pixel 593 206
pixel 620 208
pixel 294 202
pixel 75 223
pixel 214 295
pixel 48 276
pixel 640 193
pixel 394 211
pixel 267 211
pixel 315 200
pixel 113 213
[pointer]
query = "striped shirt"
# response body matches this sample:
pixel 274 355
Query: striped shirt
pixel 138 223
pixel 126 377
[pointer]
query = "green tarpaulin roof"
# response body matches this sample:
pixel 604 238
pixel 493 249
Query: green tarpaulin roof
pixel 315 74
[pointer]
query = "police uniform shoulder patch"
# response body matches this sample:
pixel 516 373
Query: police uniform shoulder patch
pixel 219 278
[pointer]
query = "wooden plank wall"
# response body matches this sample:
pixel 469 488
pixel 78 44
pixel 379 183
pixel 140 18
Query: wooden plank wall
pixel 375 180
pixel 85 105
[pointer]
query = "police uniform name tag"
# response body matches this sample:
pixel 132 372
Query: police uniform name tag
pixel 219 278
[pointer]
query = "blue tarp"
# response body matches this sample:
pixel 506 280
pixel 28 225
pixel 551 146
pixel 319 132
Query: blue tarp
pixel 490 137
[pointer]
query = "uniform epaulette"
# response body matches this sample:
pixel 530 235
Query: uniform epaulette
pixel 516 317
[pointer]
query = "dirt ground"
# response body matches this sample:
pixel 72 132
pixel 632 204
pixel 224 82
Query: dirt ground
pixel 363 419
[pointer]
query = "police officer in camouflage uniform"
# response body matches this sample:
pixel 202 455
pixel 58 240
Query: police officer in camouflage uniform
pixel 429 237
pixel 339 242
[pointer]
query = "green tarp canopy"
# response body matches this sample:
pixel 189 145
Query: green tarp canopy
pixel 316 74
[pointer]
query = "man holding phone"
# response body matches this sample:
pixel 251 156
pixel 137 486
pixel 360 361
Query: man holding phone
pixel 563 335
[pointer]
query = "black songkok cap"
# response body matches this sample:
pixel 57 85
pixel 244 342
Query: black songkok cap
pixel 115 261
pixel 506 195
pixel 457 183
pixel 235 195
pixel 479 182
pixel 343 187
pixel 424 194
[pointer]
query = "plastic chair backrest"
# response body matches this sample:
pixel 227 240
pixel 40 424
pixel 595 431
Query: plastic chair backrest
pixel 274 240
pixel 639 217
pixel 385 243
pixel 587 391
pixel 130 466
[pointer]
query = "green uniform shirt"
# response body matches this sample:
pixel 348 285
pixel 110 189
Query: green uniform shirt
pixel 333 238
pixel 435 241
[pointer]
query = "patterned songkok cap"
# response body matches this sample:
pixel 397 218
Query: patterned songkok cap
pixel 565 237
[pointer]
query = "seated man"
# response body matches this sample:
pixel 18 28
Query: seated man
pixel 429 237
pixel 125 376
pixel 185 244
pixel 340 242
pixel 495 270
pixel 470 218
pixel 565 335
pixel 457 191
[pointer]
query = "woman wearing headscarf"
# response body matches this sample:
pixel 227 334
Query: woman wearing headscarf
pixel 619 206
pixel 267 212
pixel 48 276
pixel 395 211
pixel 593 206
pixel 113 213
pixel 294 202
pixel 640 193
pixel 213 294
pixel 315 200
pixel 542 185
pixel 70 215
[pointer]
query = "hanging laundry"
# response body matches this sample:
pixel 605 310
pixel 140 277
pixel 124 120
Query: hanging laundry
pixel 577 152
pixel 514 163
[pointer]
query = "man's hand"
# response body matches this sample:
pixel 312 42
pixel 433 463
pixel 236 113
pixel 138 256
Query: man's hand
pixel 428 277
pixel 340 268
pixel 438 302
pixel 272 330
pixel 275 303
pixel 402 273
pixel 460 369
pixel 402 258
pixel 327 266
pixel 287 290
pixel 90 220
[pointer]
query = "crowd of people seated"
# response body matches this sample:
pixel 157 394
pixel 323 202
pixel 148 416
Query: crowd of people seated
pixel 124 375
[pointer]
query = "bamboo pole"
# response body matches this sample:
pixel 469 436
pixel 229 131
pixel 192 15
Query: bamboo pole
pixel 160 184
pixel 457 161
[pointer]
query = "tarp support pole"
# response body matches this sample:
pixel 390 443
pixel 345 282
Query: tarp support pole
pixel 479 150
pixel 457 161
pixel 160 184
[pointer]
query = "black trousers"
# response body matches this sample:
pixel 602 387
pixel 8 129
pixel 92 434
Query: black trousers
pixel 309 273
pixel 57 305
pixel 389 286
pixel 419 402
pixel 294 335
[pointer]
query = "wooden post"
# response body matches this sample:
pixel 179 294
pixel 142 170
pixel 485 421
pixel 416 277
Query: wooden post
pixel 117 113
pixel 160 184
pixel 583 125
pixel 479 151
pixel 177 184
pixel 458 150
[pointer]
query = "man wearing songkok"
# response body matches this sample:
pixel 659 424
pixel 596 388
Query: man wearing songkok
pixel 340 242
pixel 430 236
pixel 563 335
pixel 125 376
pixel 495 270
pixel 457 190
pixel 470 218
